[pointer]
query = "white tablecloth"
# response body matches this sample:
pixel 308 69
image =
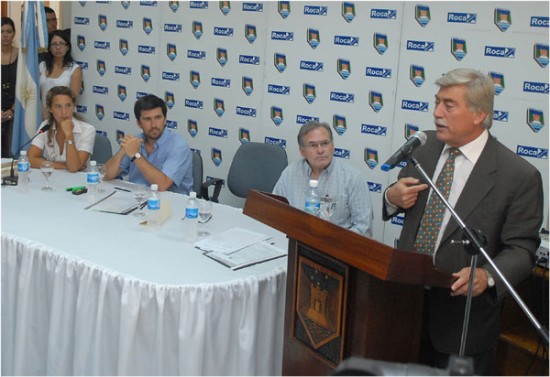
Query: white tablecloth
pixel 91 293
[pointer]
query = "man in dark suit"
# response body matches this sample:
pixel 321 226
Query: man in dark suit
pixel 493 190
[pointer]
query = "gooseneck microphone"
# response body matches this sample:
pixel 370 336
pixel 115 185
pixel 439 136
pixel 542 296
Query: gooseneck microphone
pixel 12 179
pixel 416 140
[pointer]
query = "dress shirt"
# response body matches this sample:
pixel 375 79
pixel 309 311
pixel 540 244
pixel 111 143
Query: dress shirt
pixel 171 155
pixel 343 182
pixel 84 138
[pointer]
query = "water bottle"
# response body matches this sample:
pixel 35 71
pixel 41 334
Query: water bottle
pixel 23 167
pixel 153 207
pixel 191 217
pixel 313 201
pixel 92 179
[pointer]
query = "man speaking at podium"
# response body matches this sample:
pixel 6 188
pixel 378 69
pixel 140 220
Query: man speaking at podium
pixel 492 190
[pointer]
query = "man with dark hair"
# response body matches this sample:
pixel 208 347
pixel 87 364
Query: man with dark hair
pixel 51 19
pixel 156 155
pixel 493 190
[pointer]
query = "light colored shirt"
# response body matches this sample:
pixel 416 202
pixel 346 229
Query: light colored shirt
pixel 84 138
pixel 46 83
pixel 171 155
pixel 341 181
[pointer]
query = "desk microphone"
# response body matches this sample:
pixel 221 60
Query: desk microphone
pixel 416 140
pixel 12 179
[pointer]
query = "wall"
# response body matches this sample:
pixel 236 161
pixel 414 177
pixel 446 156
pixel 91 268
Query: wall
pixel 347 63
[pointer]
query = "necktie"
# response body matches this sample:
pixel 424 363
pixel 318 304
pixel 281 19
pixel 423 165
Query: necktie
pixel 433 214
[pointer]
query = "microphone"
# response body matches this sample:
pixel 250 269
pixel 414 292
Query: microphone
pixel 412 143
pixel 12 179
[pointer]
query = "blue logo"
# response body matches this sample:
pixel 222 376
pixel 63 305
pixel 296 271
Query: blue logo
pixel 81 21
pixel 145 72
pixel 121 92
pixel 219 107
pixel 372 129
pixel 376 101
pixel 500 52
pixel 250 33
pixel 194 79
pixel 246 111
pixel 458 48
pixel 527 151
pixel 146 49
pixel 410 129
pixel 340 124
pixel 398 220
pixel 278 89
pixel 501 116
pixel 384 14
pixel 99 112
pixel 315 10
pixel 342 153
pixel 172 124
pixel 197 29
pixel 503 19
pixel 194 104
pixel 462 18
pixel 173 28
pixel 174 5
pixel 192 127
pixel 280 61
pixel 147 25
pixel 277 115
pixel 384 73
pixel 311 66
pixel 247 85
pixel 370 157
pixel 348 11
pixel 100 89
pixel 102 45
pixel 123 70
pixel 81 109
pixel 535 87
pixel 101 69
pixel 380 42
pixel 244 135
pixel 253 7
pixel 123 46
pixel 171 51
pixel 198 4
pixel 125 24
pixel 539 21
pixel 125 4
pixel 309 93
pixel 284 8
pixel 216 156
pixel 282 36
pixel 195 54
pixel 274 141
pixel 414 105
pixel 540 54
pixel 222 83
pixel 225 7
pixel 303 119
pixel 121 115
pixel 146 3
pixel 498 79
pixel 342 97
pixel 422 15
pixel 223 31
pixel 171 76
pixel 417 75
pixel 221 56
pixel 420 46
pixel 83 65
pixel 344 68
pixel 535 119
pixel 218 132
pixel 343 40
pixel 249 59
pixel 313 38
pixel 374 187
pixel 81 42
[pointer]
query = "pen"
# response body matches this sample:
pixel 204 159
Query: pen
pixel 75 188
pixel 122 189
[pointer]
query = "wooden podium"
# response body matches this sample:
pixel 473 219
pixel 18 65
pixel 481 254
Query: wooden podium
pixel 346 295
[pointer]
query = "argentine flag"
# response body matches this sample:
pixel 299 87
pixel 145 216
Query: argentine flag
pixel 34 34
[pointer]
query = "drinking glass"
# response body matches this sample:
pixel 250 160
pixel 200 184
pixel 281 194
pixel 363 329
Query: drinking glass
pixel 139 192
pixel 205 214
pixel 46 167
pixel 327 207
pixel 102 171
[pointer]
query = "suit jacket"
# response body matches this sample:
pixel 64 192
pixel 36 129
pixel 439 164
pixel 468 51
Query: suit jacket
pixel 503 198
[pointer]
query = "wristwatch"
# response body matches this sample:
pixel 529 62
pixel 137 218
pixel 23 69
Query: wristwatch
pixel 69 142
pixel 490 279
pixel 136 156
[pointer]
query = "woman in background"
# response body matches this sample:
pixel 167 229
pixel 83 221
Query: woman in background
pixel 68 142
pixel 59 68
pixel 9 75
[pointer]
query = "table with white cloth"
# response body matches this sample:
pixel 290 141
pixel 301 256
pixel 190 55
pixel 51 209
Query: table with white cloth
pixel 92 293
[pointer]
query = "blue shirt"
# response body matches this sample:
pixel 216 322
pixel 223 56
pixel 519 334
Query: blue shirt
pixel 343 182
pixel 171 155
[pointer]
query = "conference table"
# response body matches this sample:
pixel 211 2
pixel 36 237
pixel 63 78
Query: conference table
pixel 92 293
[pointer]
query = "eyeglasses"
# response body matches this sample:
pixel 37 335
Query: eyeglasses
pixel 58 45
pixel 322 144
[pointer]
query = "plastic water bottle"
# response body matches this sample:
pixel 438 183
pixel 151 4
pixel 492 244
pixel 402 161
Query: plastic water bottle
pixel 153 207
pixel 313 201
pixel 92 179
pixel 191 217
pixel 23 167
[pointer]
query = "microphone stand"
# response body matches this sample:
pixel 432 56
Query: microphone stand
pixel 475 246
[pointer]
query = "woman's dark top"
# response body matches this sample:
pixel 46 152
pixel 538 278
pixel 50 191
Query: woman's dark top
pixel 9 74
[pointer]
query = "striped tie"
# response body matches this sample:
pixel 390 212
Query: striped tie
pixel 433 214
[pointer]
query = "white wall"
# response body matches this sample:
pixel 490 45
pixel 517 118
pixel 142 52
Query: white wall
pixel 368 133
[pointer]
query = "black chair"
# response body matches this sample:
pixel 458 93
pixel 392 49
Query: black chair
pixel 200 187
pixel 102 149
pixel 256 166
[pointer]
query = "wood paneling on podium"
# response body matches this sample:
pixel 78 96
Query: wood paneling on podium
pixel 347 295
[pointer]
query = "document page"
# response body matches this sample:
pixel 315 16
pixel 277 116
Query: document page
pixel 248 256
pixel 230 241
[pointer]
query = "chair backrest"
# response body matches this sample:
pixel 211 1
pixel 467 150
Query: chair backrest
pixel 102 149
pixel 256 166
pixel 197 172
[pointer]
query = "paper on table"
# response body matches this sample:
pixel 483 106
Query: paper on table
pixel 230 240
pixel 118 203
pixel 253 254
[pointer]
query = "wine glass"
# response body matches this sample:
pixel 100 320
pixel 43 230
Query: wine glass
pixel 139 192
pixel 327 207
pixel 102 171
pixel 46 167
pixel 205 214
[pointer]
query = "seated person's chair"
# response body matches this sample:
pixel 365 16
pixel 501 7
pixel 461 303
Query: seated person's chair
pixel 256 166
pixel 102 149
pixel 200 187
